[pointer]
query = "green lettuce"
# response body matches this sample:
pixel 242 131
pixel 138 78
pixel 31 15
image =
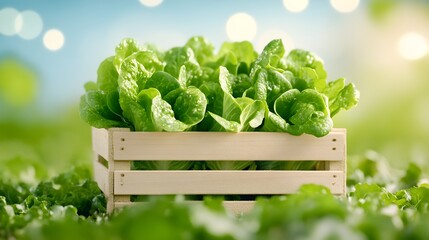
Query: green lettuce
pixel 192 88
pixel 305 112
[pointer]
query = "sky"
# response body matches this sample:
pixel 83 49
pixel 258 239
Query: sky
pixel 91 29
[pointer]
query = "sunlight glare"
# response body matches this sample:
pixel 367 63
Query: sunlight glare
pixel 412 46
pixel 295 5
pixel 345 6
pixel 151 3
pixel 7 21
pixel 28 25
pixel 53 39
pixel 240 27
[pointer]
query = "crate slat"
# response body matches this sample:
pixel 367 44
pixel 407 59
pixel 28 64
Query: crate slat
pixel 235 207
pixel 227 146
pixel 222 182
pixel 238 207
pixel 100 142
pixel 101 174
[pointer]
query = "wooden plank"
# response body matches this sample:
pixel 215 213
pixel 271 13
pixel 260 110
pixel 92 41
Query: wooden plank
pixel 122 165
pixel 124 204
pixel 100 142
pixel 222 182
pixel 101 173
pixel 236 207
pixel 112 166
pixel 122 198
pixel 228 146
pixel 340 166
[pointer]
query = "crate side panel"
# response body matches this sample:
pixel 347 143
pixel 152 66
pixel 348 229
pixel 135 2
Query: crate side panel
pixel 100 142
pixel 222 182
pixel 227 146
pixel 101 174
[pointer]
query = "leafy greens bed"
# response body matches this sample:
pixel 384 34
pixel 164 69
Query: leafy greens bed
pixel 191 88
pixel 70 206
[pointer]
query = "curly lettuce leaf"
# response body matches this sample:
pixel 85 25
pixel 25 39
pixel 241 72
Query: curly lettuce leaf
pixel 164 82
pixel 252 115
pixel 160 112
pixel 298 59
pixel 224 124
pixel 274 123
pixel 236 56
pixel 95 111
pixel 347 98
pixel 305 112
pixel 341 96
pixel 243 51
pixel 202 48
pixel 270 57
pixel 100 105
pixel 139 67
pixel 234 90
pixel 238 114
pixel 240 84
pixel 269 85
pixel 177 57
pixel 190 106
pixel 134 71
pixel 107 76
pixel 124 49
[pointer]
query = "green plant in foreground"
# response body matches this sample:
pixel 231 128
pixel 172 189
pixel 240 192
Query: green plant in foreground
pixel 369 212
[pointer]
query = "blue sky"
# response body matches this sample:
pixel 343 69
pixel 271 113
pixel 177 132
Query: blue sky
pixel 93 28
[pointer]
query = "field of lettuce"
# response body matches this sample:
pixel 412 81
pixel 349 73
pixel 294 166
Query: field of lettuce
pixel 47 191
pixel 69 205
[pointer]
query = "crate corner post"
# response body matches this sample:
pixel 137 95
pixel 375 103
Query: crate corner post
pixel 340 138
pixel 105 165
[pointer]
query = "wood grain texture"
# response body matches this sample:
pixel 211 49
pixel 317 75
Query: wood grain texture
pixel 103 144
pixel 227 146
pixel 119 146
pixel 101 174
pixel 236 207
pixel 100 142
pixel 222 182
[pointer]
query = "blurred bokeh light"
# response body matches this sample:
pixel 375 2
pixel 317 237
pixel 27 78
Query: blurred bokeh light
pixel 8 17
pixel 295 5
pixel 241 27
pixel 412 46
pixel 18 83
pixel 28 25
pixel 151 3
pixel 345 6
pixel 53 39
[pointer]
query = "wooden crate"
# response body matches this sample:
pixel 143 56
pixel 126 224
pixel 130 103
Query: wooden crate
pixel 115 148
